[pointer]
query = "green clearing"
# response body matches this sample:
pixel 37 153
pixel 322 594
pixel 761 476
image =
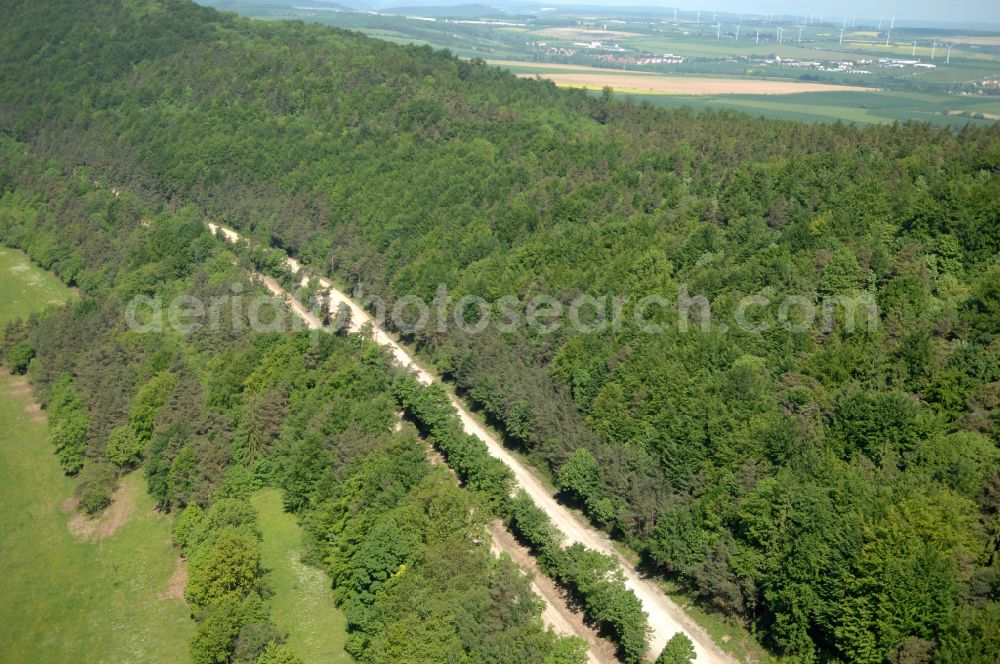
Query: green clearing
pixel 66 598
pixel 25 287
pixel 302 604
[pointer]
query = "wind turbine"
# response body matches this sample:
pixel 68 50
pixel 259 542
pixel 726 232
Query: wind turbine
pixel 880 24
pixel 756 39
pixel 800 34
pixel 697 21
pixel 949 47
pixel 841 42
pixel 933 50
pixel 780 30
pixel 892 23
pixel 887 35
pixel 738 26
pixel 914 53
pixel 675 17
pixel 718 30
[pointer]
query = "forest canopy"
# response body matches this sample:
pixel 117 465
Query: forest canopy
pixel 836 490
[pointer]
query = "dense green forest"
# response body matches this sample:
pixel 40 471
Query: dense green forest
pixel 837 490
pixel 216 414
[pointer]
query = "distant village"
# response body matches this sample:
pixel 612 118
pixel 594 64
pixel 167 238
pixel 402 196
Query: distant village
pixel 607 54
pixel 612 52
pixel 847 66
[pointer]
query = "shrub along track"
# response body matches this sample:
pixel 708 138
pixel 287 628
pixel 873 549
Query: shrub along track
pixel 666 618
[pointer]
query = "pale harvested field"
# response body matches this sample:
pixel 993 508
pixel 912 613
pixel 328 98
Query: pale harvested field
pixel 595 78
pixel 582 33
pixel 683 85
pixel 991 40
pixel 973 113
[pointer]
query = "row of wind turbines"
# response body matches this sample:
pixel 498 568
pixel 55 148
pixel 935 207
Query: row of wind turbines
pixel 807 20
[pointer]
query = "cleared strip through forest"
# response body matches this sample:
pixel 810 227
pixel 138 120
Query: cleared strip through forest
pixel 666 618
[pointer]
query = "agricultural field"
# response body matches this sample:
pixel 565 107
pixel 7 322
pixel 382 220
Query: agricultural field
pixel 638 82
pixel 848 106
pixel 581 33
pixel 934 75
pixel 788 100
pixel 302 604
pixel 75 590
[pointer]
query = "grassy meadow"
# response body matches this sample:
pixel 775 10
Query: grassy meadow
pixel 302 604
pixel 110 590
pixel 74 590
pixel 26 288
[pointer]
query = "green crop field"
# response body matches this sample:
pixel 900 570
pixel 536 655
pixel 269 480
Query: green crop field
pixel 302 604
pixel 73 597
pixel 859 107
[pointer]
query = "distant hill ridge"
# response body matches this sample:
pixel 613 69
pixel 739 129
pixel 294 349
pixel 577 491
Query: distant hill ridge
pixel 458 11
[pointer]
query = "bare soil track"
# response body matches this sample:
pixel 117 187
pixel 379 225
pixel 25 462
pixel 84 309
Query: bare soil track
pixel 666 618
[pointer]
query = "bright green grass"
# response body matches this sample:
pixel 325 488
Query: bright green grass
pixel 25 287
pixel 64 600
pixel 302 604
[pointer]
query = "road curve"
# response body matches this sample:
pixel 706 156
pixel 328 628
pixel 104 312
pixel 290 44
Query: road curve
pixel 666 618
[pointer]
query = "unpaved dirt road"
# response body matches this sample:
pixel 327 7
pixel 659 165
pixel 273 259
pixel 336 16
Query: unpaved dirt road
pixel 556 614
pixel 665 617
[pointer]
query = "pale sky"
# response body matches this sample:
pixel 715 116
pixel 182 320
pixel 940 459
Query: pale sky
pixel 966 11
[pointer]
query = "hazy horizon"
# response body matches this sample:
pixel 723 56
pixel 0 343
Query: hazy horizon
pixel 868 13
pixel 978 11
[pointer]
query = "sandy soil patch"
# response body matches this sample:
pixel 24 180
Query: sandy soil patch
pixel 583 34
pixel 94 528
pixel 683 85
pixel 178 581
pixel 34 412
pixel 970 39
pixel 19 387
